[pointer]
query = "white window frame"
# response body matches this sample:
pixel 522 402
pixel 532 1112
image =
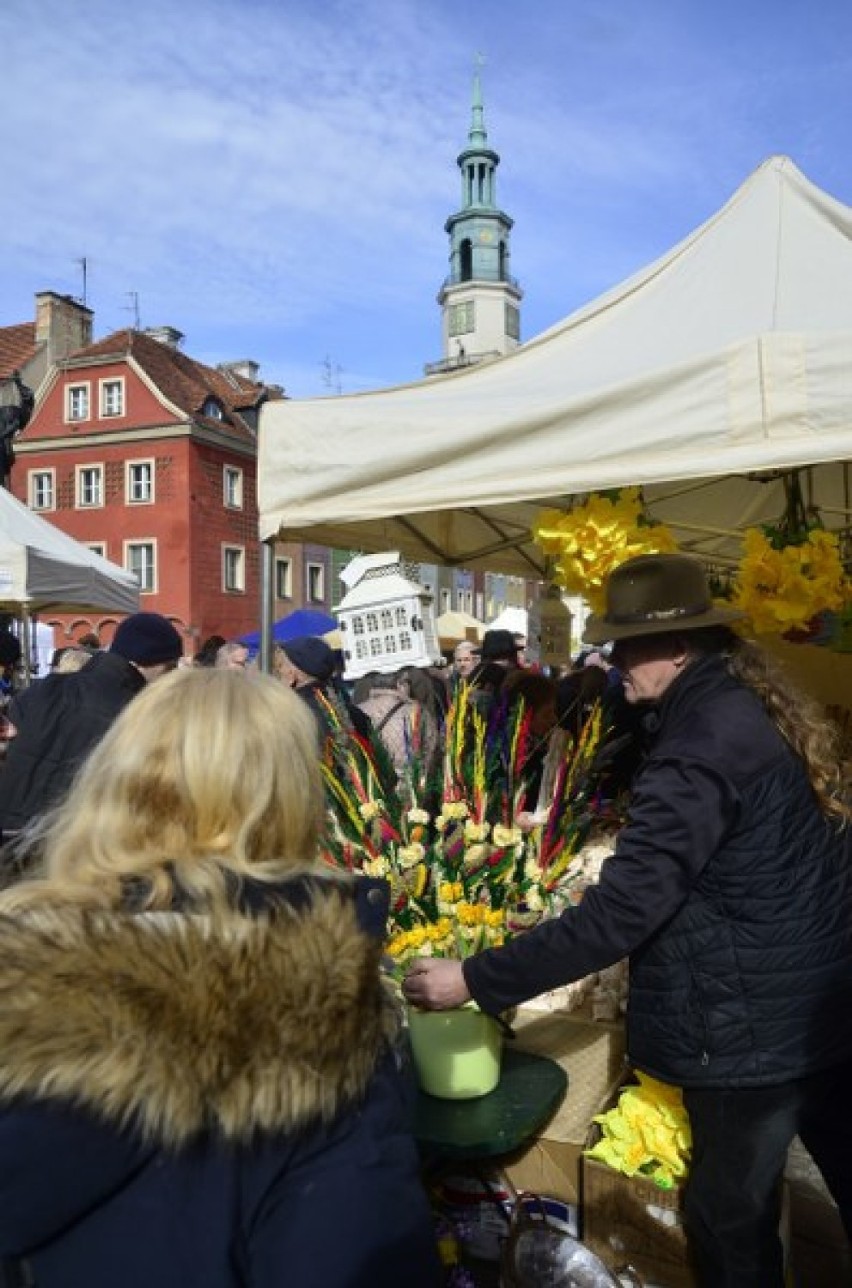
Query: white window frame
pixel 97 548
pixel 138 543
pixel 33 477
pixel 233 479
pixel 129 466
pixel 239 586
pixel 512 321
pixel 446 600
pixel 104 385
pixel 84 389
pixel 283 574
pixel 462 318
pixel 79 472
pixel 315 583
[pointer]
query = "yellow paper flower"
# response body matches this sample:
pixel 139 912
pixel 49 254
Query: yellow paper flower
pixel 783 590
pixel 592 539
pixel 647 1133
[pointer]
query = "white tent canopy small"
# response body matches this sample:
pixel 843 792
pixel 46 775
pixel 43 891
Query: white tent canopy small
pixel 730 356
pixel 43 568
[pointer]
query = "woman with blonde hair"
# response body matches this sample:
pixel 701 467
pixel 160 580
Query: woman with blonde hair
pixel 198 1084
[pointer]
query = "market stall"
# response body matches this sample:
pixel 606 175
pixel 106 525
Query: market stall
pixel 728 358
pixel 717 380
pixel 43 568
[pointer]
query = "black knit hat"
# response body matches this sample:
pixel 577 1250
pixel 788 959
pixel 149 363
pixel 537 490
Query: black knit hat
pixel 311 655
pixel 147 639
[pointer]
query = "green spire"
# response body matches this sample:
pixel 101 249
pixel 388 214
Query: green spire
pixel 477 137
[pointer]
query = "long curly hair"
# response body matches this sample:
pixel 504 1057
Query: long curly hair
pixel 797 716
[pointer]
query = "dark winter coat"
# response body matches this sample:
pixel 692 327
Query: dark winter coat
pixel 59 720
pixel 197 1102
pixel 730 892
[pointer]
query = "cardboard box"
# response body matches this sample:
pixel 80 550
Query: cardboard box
pixel 592 1055
pixel 630 1220
pixel 626 1219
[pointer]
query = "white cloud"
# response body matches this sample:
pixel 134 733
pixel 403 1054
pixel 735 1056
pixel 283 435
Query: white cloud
pixel 278 172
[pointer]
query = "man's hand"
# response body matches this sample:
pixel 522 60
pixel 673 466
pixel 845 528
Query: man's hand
pixel 435 983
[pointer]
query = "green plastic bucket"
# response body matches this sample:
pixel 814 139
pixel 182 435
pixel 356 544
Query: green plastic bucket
pixel 456 1053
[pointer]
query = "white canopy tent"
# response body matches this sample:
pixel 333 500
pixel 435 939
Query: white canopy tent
pixel 703 378
pixel 43 568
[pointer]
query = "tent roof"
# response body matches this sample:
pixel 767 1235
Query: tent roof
pixel 730 355
pixel 43 568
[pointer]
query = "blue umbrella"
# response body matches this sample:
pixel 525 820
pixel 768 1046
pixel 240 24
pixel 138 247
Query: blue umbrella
pixel 304 621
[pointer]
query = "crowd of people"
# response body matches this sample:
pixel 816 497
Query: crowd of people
pixel 197 1039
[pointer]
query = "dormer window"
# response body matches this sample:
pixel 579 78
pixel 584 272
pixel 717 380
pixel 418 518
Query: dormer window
pixel 213 409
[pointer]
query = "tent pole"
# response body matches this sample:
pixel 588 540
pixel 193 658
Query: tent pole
pixel 267 569
pixel 26 646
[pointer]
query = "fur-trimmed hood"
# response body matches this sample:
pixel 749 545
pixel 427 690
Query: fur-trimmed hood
pixel 175 1023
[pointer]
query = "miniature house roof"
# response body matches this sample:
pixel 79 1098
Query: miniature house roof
pixel 374 580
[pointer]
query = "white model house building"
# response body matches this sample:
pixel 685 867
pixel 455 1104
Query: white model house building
pixel 386 620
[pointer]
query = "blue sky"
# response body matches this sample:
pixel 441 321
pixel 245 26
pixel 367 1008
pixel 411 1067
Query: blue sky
pixel 272 177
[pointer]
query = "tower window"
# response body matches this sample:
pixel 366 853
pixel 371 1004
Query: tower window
pixel 513 322
pixel 465 261
pixel 462 319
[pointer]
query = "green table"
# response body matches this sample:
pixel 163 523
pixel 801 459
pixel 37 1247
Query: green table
pixel 528 1093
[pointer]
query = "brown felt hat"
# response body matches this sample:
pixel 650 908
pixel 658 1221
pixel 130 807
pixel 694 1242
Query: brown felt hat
pixel 652 594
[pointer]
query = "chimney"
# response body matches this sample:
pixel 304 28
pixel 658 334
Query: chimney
pixel 62 323
pixel 167 335
pixel 246 368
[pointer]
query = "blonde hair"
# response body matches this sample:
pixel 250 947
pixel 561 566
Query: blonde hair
pixel 206 773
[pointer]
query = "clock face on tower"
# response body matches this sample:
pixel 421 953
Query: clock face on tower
pixel 486 235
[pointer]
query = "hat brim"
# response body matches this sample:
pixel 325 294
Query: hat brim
pixel 598 630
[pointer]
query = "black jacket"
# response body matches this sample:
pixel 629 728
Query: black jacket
pixel 191 1101
pixel 59 719
pixel 731 894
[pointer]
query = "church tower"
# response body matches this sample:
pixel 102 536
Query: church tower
pixel 479 299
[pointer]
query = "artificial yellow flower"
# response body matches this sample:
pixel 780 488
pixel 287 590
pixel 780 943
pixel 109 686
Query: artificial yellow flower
pixel 591 540
pixel 782 590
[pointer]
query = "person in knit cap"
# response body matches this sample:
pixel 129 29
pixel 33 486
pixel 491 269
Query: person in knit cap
pixel 56 721
pixel 308 665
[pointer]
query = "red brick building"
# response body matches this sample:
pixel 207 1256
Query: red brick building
pixel 141 452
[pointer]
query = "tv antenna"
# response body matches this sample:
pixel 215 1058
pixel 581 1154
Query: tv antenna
pixel 331 373
pixel 133 308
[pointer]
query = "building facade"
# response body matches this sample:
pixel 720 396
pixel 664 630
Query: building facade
pixel 148 457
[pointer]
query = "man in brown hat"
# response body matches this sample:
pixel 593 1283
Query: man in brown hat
pixel 730 890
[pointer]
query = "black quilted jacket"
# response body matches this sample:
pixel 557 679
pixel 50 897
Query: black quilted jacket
pixel 730 893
